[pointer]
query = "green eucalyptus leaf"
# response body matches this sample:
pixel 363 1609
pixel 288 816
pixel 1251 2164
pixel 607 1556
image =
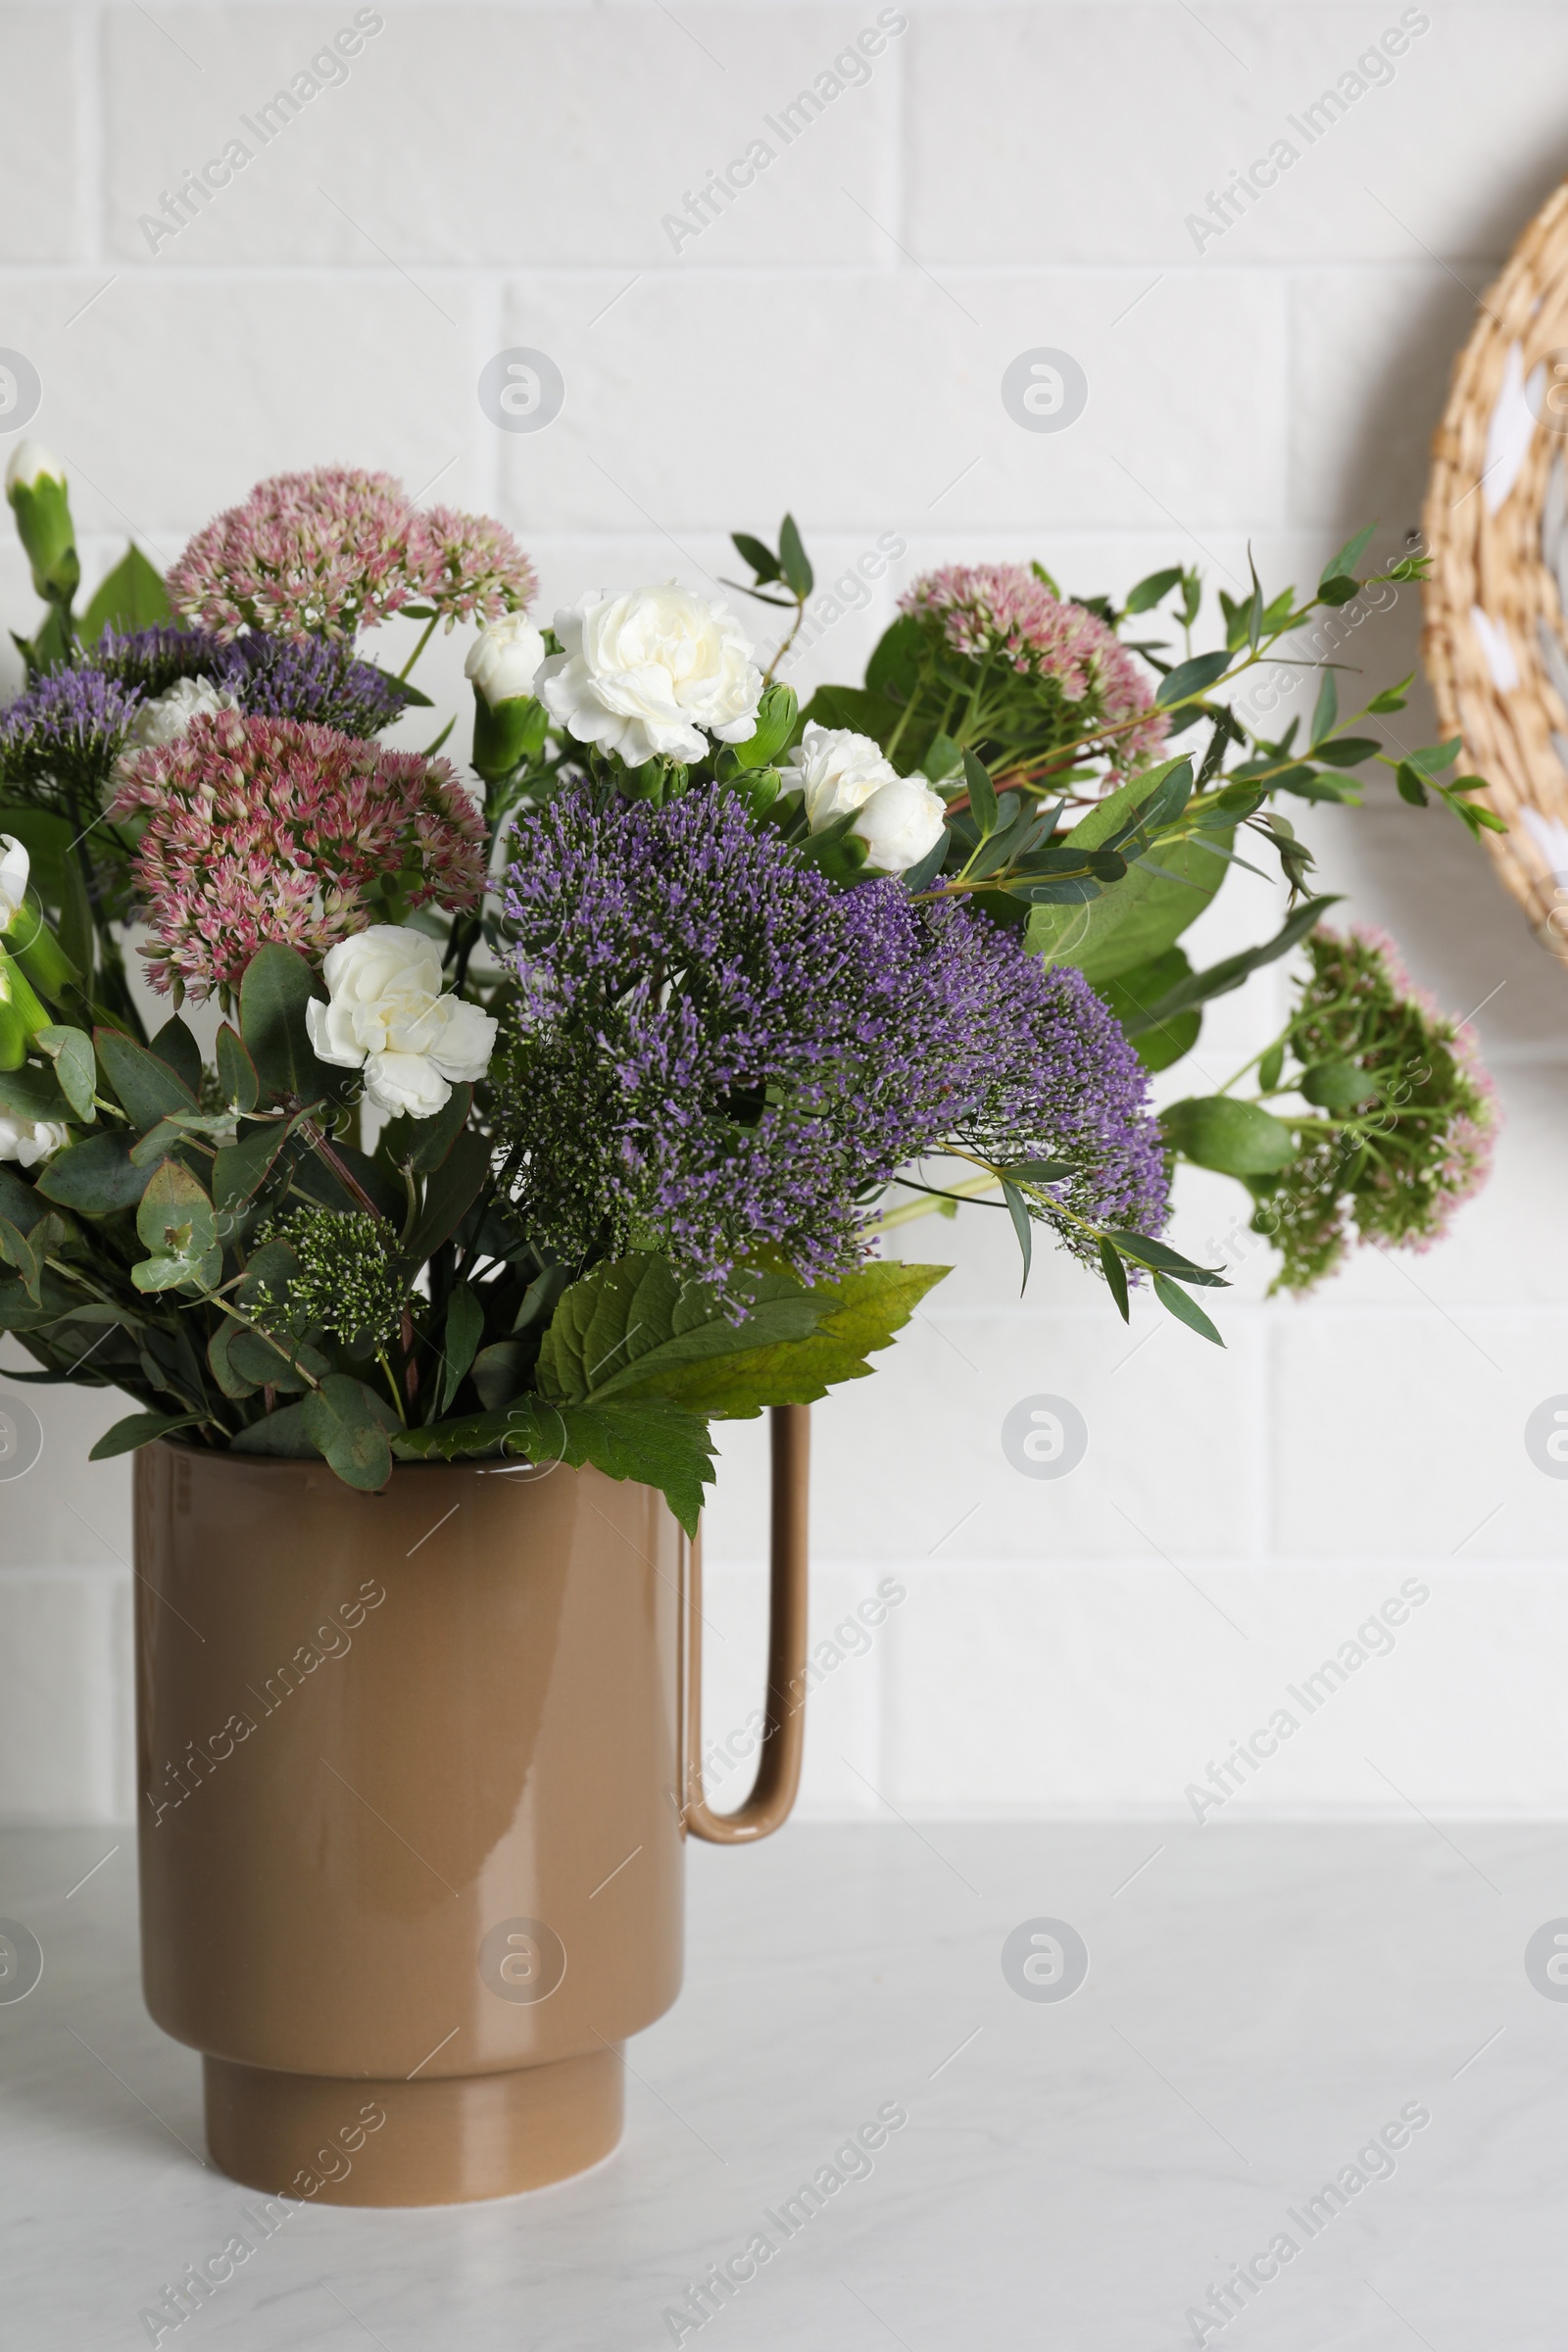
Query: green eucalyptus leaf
pixel 277 986
pixel 96 1176
pixel 236 1072
pixel 75 1068
pixel 146 1087
pixel 142 1429
pixel 347 1422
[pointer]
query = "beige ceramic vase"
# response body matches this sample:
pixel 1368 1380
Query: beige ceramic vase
pixel 417 1771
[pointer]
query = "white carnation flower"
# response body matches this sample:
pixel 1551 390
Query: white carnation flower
pixel 387 1016
pixel 28 1140
pixel 503 659
pixel 649 674
pixel 167 716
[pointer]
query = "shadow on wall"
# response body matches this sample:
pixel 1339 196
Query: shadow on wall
pixel 1415 870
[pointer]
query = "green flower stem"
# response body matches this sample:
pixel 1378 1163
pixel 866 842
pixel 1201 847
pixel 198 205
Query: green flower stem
pixel 425 639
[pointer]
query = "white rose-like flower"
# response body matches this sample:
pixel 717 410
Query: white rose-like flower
pixel 835 770
pixel 15 867
pixel 167 716
pixel 503 659
pixel 900 823
pixel 649 672
pixel 28 1140
pixel 389 1017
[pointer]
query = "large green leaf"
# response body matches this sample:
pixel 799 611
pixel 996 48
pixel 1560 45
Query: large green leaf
pixel 176 1221
pixel 96 1176
pixel 853 707
pixel 1142 915
pixel 347 1422
pixel 130 597
pixel 632 1321
pixel 147 1088
pixel 1129 996
pixel 1239 1139
pixel 276 987
pixel 653 1445
pixel 861 1313
pixel 34 1094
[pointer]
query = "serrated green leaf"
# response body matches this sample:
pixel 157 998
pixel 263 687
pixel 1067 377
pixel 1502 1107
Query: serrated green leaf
pixel 651 1443
pixel 861 1310
pixel 632 1320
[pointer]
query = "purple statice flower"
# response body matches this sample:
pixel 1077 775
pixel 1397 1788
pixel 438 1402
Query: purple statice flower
pixel 60 740
pixel 717 1051
pixel 308 679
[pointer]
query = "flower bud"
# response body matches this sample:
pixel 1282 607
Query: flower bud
pixel 504 660
pixel 35 485
pixel 900 823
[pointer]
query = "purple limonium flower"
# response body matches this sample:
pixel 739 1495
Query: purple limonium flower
pixel 717 1051
pixel 59 741
pixel 274 677
pixel 154 658
pixel 308 679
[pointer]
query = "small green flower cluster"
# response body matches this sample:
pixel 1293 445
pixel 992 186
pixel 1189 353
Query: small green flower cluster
pixel 1417 1135
pixel 345 1279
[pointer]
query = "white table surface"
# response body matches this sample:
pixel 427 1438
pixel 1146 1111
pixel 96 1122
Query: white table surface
pixel 1075 2174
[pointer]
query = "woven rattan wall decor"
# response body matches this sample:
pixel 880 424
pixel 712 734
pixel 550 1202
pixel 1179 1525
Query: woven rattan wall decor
pixel 1495 645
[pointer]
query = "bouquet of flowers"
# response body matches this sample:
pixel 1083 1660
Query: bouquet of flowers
pixel 557 1113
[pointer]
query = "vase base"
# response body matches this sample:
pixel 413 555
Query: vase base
pixel 449 2139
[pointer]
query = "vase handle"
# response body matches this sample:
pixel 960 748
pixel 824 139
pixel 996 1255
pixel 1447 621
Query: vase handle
pixel 778 1775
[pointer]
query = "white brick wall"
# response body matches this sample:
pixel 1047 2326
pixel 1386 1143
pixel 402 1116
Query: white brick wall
pixel 1005 177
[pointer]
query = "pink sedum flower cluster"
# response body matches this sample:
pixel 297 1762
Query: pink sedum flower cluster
pixel 261 829
pixel 338 549
pixel 987 608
